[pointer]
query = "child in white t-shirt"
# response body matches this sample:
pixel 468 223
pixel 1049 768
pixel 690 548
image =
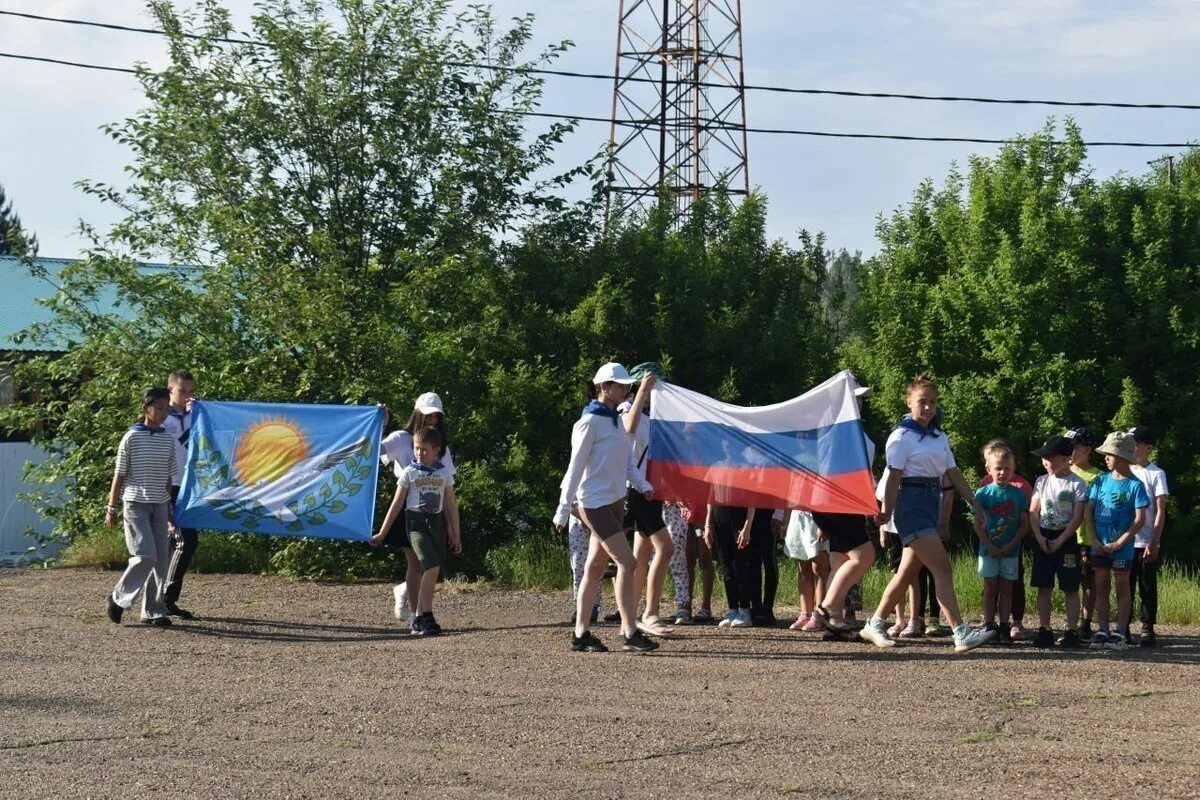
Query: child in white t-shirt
pixel 424 487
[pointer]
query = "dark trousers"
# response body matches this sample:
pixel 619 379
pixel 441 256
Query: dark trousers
pixel 927 602
pixel 183 547
pixel 764 570
pixel 1143 581
pixel 737 564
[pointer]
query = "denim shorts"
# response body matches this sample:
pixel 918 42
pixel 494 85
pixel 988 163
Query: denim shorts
pixel 992 567
pixel 917 508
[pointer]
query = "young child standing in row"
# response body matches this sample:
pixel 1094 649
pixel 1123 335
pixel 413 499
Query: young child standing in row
pixel 1000 530
pixel 423 488
pixel 1055 514
pixel 1083 442
pixel 146 466
pixel 1117 503
pixel 1148 540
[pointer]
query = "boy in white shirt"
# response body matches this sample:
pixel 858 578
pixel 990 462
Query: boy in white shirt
pixel 1143 578
pixel 1055 514
pixel 424 487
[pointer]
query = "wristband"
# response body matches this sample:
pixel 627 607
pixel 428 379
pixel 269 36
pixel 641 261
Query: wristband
pixel 110 509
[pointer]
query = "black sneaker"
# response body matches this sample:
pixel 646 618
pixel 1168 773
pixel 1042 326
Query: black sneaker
pixel 176 611
pixel 1085 631
pixel 765 619
pixel 638 643
pixel 157 622
pixel 1070 639
pixel 430 627
pixel 612 616
pixel 587 644
pixel 418 622
pixel 114 611
pixel 1004 635
pixel 1148 637
pixel 1044 638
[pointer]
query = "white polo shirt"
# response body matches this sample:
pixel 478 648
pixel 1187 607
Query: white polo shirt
pixel 917 457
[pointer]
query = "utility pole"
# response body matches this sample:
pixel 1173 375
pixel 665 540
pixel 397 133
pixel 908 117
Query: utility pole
pixel 679 104
pixel 1170 162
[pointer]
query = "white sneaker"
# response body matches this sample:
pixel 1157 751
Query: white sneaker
pixel 730 616
pixel 742 620
pixel 401 609
pixel 875 633
pixel 972 639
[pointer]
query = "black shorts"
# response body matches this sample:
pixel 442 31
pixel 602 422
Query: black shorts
pixel 397 535
pixel 844 531
pixel 642 515
pixel 1063 563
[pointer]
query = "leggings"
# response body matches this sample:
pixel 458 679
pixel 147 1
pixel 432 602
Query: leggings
pixel 677 527
pixel 577 540
pixel 764 569
pixel 736 563
pixel 927 603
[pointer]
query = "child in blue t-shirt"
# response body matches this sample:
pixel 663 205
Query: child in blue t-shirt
pixel 1000 530
pixel 1117 503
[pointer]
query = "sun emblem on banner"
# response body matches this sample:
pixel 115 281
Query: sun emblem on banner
pixel 268 450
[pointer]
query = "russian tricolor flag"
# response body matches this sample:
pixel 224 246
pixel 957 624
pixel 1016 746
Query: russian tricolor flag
pixel 809 452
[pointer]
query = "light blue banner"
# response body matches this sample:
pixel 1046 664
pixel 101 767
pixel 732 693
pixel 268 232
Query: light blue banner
pixel 284 469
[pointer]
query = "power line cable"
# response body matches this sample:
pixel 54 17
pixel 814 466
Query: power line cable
pixel 747 87
pixel 711 127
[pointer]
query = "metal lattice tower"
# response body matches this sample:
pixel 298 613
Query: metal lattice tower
pixel 679 103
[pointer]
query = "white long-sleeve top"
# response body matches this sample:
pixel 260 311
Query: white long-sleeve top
pixel 601 466
pixel 396 449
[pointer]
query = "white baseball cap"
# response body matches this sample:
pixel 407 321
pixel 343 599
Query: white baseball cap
pixel 614 372
pixel 429 403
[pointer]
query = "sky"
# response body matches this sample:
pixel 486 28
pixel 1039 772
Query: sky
pixel 1142 52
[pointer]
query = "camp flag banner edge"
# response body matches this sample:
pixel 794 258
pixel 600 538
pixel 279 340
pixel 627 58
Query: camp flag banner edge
pixel 284 469
pixel 809 452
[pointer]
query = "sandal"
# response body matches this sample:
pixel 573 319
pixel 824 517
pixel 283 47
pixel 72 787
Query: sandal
pixel 829 623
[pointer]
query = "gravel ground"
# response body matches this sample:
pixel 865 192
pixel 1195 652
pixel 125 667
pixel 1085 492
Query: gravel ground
pixel 285 689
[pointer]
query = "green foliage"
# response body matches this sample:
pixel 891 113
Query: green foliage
pixel 1040 299
pixel 340 196
pixel 14 240
pixel 534 561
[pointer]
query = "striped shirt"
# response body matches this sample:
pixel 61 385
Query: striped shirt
pixel 147 462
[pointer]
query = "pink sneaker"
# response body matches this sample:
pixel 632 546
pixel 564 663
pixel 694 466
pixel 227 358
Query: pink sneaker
pixel 894 630
pixel 813 624
pixel 801 621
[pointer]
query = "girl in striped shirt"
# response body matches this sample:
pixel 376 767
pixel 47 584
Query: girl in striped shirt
pixel 142 481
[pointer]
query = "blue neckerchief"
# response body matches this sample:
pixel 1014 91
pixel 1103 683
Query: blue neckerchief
pixel 908 423
pixel 427 470
pixel 596 407
pixel 181 416
pixel 141 426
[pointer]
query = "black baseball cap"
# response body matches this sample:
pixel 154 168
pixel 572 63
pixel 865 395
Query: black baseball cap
pixel 1055 446
pixel 1142 435
pixel 1081 436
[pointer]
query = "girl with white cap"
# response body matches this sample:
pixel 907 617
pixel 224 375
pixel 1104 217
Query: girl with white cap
pixel 601 464
pixel 397 450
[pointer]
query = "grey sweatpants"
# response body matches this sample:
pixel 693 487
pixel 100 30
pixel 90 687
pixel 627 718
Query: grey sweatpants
pixel 149 554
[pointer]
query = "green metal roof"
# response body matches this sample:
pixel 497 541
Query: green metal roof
pixel 20 290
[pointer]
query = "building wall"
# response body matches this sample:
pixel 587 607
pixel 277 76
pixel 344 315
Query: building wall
pixel 16 516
